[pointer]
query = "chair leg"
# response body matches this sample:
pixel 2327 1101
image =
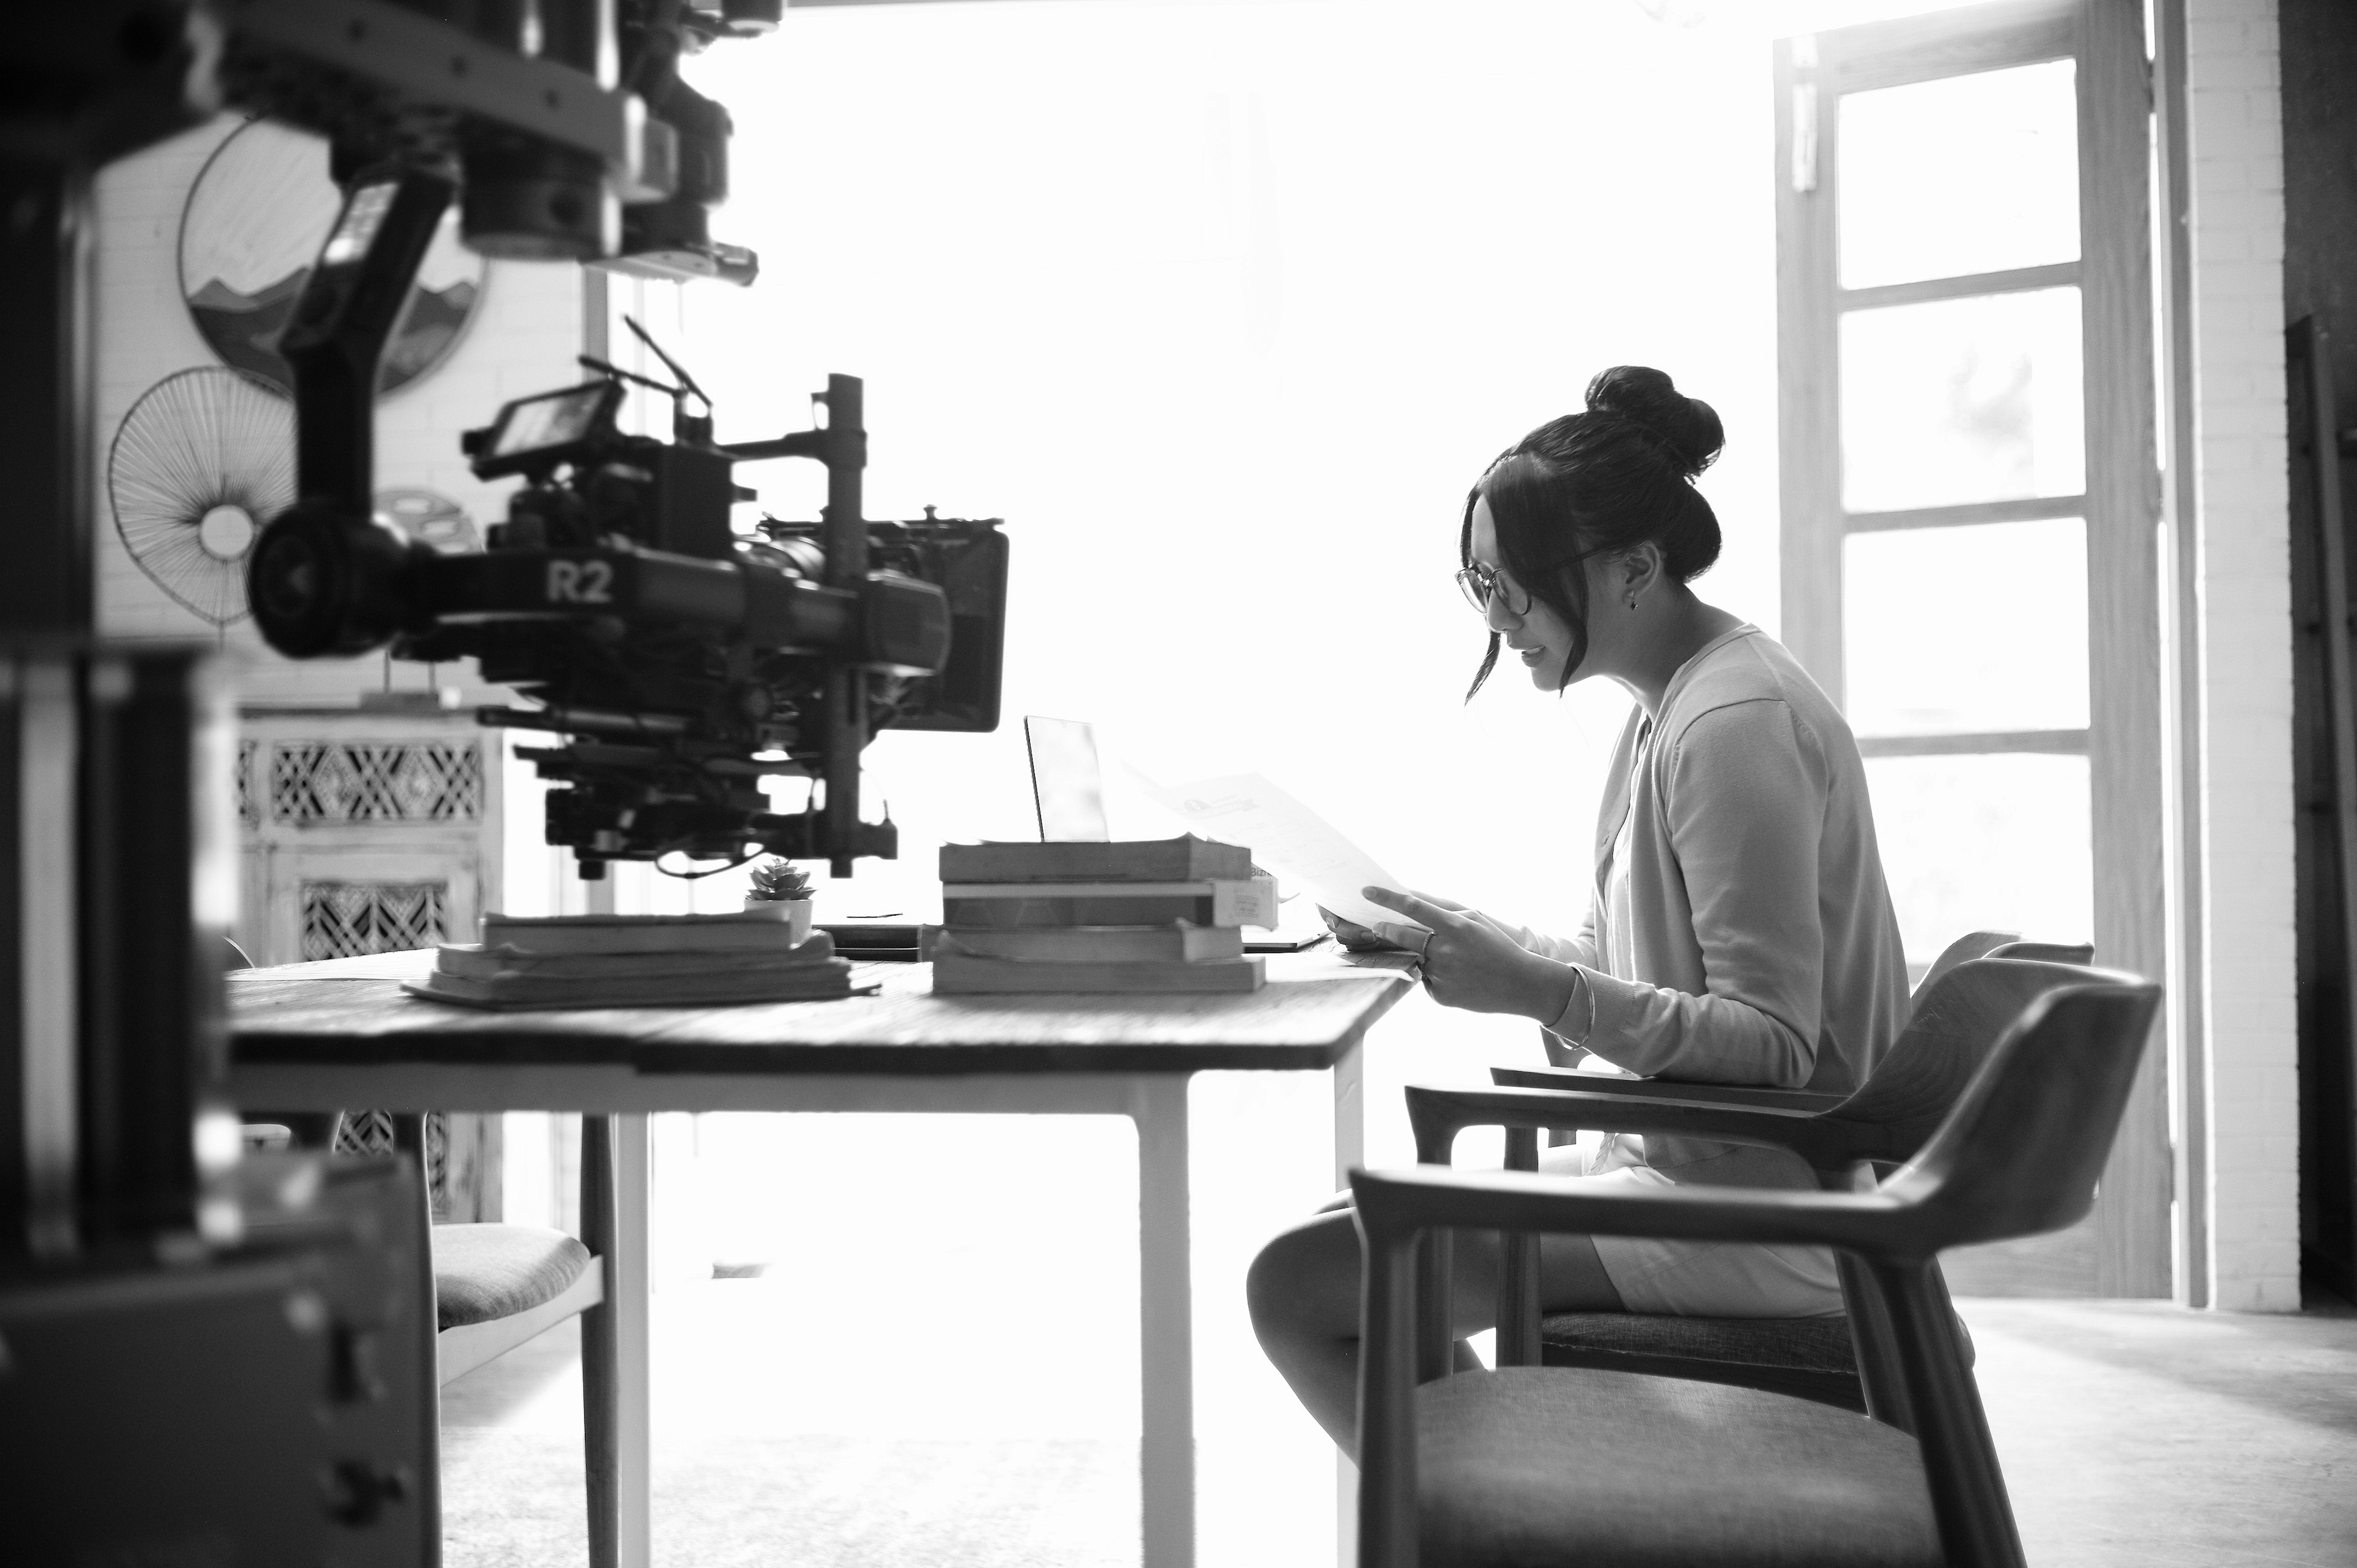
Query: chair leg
pixel 1387 1482
pixel 1518 1268
pixel 600 1350
pixel 1436 1283
pixel 1968 1495
pixel 1435 1272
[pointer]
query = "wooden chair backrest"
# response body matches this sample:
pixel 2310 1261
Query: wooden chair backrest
pixel 2021 1152
pixel 1964 949
pixel 2047 952
pixel 1958 1020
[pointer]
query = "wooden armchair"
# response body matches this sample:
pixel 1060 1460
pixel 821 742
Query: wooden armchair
pixel 1527 1464
pixel 1959 1018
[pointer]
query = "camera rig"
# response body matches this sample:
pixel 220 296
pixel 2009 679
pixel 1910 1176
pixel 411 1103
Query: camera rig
pixel 682 663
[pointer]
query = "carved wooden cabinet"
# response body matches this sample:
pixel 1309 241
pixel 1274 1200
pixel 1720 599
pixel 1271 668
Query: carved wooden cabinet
pixel 367 830
pixel 364 831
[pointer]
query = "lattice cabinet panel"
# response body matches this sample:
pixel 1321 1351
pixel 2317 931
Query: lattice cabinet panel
pixel 344 919
pixel 365 833
pixel 249 804
pixel 313 783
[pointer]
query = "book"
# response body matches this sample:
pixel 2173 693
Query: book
pixel 472 961
pixel 764 983
pixel 957 974
pixel 1175 943
pixel 732 932
pixel 1214 902
pixel 1183 859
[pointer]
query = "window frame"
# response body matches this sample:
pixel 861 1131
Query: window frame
pixel 2127 1249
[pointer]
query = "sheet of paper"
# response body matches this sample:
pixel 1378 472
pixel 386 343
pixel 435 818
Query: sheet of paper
pixel 416 963
pixel 1286 837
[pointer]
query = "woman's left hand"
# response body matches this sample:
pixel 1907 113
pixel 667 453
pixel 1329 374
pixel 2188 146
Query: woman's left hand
pixel 1470 963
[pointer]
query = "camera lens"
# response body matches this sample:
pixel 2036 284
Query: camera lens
pixel 320 582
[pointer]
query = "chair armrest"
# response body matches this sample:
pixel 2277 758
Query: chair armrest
pixel 1663 1089
pixel 1392 1206
pixel 1438 1115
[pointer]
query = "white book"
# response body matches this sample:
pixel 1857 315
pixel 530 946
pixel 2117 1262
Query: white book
pixel 474 962
pixel 1211 901
pixel 1177 942
pixel 638 933
pixel 959 974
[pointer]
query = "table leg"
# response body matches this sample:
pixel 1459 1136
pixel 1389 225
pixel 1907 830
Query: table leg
pixel 1350 1114
pixel 631 1281
pixel 1165 1325
pixel 1350 1152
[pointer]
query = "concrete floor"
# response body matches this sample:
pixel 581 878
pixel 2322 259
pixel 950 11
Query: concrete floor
pixel 2135 1434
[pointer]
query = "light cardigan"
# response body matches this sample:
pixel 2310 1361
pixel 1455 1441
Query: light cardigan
pixel 1762 949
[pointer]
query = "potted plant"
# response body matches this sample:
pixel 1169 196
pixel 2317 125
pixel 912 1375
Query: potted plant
pixel 781 891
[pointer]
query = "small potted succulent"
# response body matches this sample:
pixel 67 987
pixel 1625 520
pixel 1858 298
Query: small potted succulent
pixel 781 891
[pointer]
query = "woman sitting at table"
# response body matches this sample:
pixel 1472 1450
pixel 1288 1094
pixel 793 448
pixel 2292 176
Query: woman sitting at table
pixel 1738 931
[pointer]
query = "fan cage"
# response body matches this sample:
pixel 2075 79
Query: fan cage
pixel 198 440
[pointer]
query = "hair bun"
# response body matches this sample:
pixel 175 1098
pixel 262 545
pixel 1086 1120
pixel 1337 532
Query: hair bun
pixel 1647 397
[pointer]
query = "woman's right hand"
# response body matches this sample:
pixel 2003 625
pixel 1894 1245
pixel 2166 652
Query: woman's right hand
pixel 1471 962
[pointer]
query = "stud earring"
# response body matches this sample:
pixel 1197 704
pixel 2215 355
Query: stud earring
pixel 1632 601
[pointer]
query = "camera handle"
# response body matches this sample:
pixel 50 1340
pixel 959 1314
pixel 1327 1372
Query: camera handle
pixel 842 444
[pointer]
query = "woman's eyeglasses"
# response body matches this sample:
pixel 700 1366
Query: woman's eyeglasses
pixel 1486 584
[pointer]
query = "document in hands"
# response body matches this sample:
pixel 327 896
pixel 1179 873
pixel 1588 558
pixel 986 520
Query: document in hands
pixel 1286 837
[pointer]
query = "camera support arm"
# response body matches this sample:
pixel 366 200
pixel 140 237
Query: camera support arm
pixel 342 320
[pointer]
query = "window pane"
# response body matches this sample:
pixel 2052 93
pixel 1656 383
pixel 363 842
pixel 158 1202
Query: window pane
pixel 1992 842
pixel 1961 400
pixel 1947 630
pixel 1973 173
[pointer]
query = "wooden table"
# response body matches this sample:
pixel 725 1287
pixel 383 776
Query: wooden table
pixel 311 1038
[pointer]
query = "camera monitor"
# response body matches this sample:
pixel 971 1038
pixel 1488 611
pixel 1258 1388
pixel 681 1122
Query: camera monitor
pixel 541 432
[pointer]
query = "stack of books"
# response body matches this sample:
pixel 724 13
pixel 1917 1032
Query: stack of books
pixel 634 960
pixel 1159 915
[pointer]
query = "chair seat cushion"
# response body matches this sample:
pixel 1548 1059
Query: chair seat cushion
pixel 1804 1344
pixel 484 1273
pixel 1536 1467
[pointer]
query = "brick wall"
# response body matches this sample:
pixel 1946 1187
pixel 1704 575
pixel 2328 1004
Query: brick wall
pixel 2234 124
pixel 521 340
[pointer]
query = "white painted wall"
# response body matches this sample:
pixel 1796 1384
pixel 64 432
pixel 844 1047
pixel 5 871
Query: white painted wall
pixel 2247 802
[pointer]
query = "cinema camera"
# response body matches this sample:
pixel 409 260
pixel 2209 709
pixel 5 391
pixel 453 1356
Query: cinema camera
pixel 682 663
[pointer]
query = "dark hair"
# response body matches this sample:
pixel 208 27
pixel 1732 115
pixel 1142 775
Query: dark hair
pixel 1596 483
